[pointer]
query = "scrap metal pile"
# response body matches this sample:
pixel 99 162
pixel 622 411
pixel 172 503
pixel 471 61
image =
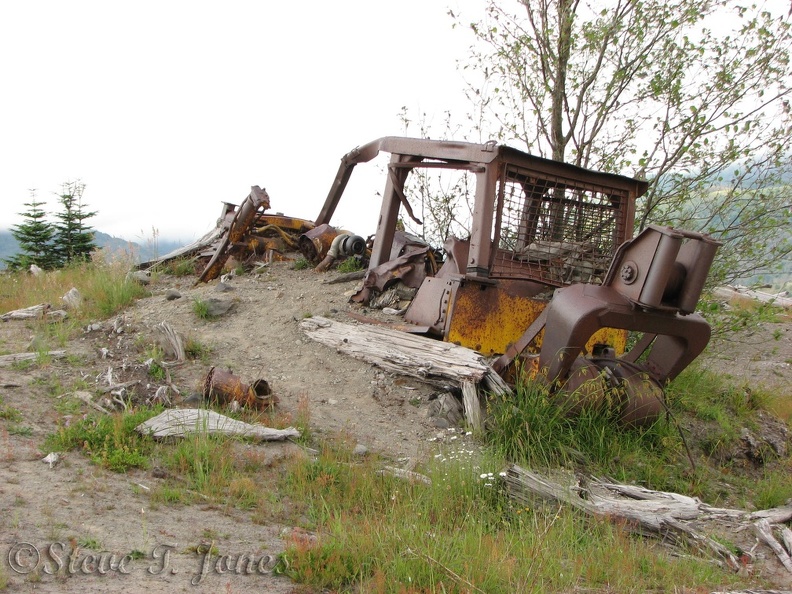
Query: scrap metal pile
pixel 549 278
pixel 247 233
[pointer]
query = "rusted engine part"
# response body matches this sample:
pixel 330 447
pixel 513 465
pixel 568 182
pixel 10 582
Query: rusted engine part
pixel 411 261
pixel 249 233
pixel 652 287
pixel 323 245
pixel 237 226
pixel 224 388
pixel 278 232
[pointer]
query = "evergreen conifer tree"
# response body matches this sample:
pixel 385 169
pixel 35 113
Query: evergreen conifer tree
pixel 74 240
pixel 35 237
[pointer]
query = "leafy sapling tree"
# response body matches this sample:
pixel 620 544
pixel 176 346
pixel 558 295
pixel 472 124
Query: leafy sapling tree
pixel 35 237
pixel 692 95
pixel 74 239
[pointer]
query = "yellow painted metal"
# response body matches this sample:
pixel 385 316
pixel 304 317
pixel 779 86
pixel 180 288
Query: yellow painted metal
pixel 488 319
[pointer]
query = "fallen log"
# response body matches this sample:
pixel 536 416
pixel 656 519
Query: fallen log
pixel 673 517
pixel 431 361
pixel 180 422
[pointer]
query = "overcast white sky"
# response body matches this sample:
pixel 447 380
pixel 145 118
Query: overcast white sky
pixel 164 109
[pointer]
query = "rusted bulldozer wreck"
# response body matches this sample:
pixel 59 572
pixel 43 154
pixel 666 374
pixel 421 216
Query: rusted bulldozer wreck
pixel 549 277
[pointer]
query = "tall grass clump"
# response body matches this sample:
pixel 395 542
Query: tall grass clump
pixel 111 290
pixel 536 428
pixel 103 286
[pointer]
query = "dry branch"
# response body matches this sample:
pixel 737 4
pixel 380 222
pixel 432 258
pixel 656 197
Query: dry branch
pixel 87 398
pixel 184 421
pixel 765 533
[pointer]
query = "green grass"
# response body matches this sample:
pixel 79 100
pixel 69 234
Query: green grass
pixel 195 349
pixel 108 440
pixel 532 428
pixel 103 286
pixel 154 355
pixel 178 267
pixel 301 263
pixel 376 533
pixel 201 309
pixel 20 430
pixel 89 543
pixel 9 413
pixel 351 264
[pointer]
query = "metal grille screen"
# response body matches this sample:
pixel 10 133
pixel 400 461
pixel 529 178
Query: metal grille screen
pixel 553 232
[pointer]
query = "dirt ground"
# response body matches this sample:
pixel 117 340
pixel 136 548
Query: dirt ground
pixel 44 508
pixel 258 338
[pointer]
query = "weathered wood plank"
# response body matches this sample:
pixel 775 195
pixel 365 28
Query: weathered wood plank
pixel 431 361
pixel 472 405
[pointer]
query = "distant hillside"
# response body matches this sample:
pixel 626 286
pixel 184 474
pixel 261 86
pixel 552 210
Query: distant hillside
pixel 140 253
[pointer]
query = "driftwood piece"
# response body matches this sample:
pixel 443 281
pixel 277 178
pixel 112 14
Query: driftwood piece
pixel 16 357
pixel 113 387
pixel 674 517
pixel 431 361
pixel 27 313
pixel 87 398
pixel 786 538
pixel 180 422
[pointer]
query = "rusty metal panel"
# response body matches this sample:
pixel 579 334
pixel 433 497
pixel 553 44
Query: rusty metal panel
pixel 431 304
pixel 487 319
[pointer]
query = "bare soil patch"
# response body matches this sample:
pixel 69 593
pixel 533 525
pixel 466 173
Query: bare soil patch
pixel 259 337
